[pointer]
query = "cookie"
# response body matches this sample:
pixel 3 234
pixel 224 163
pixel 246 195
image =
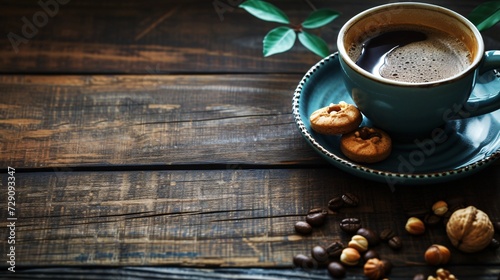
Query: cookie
pixel 336 119
pixel 366 145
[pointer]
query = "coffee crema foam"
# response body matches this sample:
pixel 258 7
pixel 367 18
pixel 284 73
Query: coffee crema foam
pixel 437 57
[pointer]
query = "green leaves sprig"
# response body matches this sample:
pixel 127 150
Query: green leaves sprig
pixel 485 15
pixel 282 38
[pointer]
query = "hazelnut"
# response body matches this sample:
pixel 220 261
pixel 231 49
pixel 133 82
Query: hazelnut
pixel 440 208
pixel 419 276
pixel 359 243
pixel 469 229
pixel 350 256
pixel 437 254
pixel 442 274
pixel 374 269
pixel 415 226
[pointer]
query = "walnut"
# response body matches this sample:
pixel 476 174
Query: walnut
pixel 469 229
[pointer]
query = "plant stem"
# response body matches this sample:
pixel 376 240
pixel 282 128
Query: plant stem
pixel 310 5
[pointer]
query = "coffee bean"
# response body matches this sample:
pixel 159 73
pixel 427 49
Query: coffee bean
pixel 418 212
pixel 387 267
pixel 446 216
pixel 334 250
pixel 335 203
pixel 387 234
pixel 494 244
pixel 336 270
pixel 432 219
pixel 303 227
pixel 320 254
pixel 350 199
pixel 371 254
pixel 303 261
pixel 456 202
pixel 350 225
pixel 370 235
pixel 496 225
pixel 395 243
pixel 299 259
pixel 316 217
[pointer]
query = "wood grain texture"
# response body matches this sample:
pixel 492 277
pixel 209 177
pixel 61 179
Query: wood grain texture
pixel 152 140
pixel 136 273
pixel 221 218
pixel 60 121
pixel 184 36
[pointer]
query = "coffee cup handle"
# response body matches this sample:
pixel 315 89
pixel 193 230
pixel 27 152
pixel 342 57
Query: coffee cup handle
pixel 488 104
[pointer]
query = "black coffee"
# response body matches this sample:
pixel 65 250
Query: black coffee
pixel 412 54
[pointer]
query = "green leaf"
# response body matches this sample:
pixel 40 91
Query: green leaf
pixel 314 43
pixel 265 11
pixel 485 15
pixel 320 18
pixel 278 40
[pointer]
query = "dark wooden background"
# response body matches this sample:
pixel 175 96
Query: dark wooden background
pixel 151 139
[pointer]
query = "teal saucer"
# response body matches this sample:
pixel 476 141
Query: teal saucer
pixel 468 146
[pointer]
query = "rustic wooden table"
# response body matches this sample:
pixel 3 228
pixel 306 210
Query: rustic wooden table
pixel 151 139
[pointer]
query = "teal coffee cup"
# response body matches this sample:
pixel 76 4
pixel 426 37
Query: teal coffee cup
pixel 411 67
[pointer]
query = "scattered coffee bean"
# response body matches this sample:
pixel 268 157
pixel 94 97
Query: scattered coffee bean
pixel 320 254
pixel 418 212
pixel 350 225
pixel 446 217
pixel 387 267
pixel 454 207
pixel 303 227
pixel 316 217
pixel 335 203
pixel 455 202
pixel 387 234
pixel 419 276
pixel 370 235
pixel 371 254
pixel 350 199
pixel 432 219
pixel 494 244
pixel 336 269
pixel 395 243
pixel 496 225
pixel 303 261
pixel 334 250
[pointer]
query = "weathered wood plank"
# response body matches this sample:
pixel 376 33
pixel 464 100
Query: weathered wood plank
pixel 164 36
pixel 228 218
pixel 60 121
pixel 132 273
